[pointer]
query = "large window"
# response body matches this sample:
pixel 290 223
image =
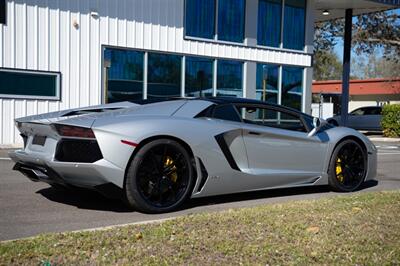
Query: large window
pixel 198 77
pixel 164 75
pixel 292 86
pixel 124 75
pixel 229 78
pixel 271 25
pixel 269 22
pixel 231 20
pixel 29 84
pixel 294 24
pixel 202 16
pixel 267 83
pixel 3 12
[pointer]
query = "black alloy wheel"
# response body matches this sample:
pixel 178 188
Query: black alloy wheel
pixel 348 166
pixel 160 177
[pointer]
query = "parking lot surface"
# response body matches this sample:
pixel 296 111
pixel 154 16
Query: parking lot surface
pixel 28 208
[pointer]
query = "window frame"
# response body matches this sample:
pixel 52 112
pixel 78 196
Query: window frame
pixel 105 90
pixel 304 27
pixel 300 116
pixel 211 60
pixel 277 92
pixel 282 93
pixel 215 37
pixel 280 45
pixel 282 32
pixel 185 22
pixel 242 65
pixel 147 65
pixel 58 84
pixel 3 7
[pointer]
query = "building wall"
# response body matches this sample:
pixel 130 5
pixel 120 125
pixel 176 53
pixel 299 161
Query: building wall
pixel 67 36
pixel 357 104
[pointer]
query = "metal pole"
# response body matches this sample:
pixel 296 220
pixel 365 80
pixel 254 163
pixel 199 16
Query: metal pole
pixel 346 66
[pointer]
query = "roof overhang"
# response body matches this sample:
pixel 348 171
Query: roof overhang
pixel 337 8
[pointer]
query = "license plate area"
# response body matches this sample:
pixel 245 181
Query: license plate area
pixel 39 140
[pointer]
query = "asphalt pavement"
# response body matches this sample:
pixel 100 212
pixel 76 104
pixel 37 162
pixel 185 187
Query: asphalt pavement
pixel 28 208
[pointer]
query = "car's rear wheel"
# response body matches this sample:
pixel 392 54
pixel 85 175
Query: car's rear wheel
pixel 160 177
pixel 348 166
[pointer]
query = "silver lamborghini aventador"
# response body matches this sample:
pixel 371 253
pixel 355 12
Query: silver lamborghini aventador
pixel 157 154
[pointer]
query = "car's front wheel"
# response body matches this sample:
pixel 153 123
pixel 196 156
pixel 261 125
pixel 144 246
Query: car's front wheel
pixel 348 166
pixel 160 177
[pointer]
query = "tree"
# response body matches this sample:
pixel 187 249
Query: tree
pixel 327 65
pixel 380 30
pixel 374 66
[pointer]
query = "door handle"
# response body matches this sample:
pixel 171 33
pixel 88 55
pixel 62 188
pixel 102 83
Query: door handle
pixel 254 133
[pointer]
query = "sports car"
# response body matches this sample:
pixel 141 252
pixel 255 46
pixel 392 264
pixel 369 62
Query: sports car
pixel 155 155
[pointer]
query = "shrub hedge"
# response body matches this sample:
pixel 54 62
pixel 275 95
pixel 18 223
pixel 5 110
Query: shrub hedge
pixel 391 120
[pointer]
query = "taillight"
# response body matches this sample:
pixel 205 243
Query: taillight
pixel 71 131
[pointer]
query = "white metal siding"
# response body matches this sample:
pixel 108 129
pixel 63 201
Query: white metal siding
pixel 40 35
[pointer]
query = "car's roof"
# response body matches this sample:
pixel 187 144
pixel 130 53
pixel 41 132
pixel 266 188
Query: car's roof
pixel 217 100
pixel 370 107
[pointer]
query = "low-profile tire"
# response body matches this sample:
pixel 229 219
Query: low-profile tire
pixel 348 166
pixel 160 177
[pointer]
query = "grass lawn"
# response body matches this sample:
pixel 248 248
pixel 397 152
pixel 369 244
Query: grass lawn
pixel 357 229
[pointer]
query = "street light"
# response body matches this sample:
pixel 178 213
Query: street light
pixel 326 12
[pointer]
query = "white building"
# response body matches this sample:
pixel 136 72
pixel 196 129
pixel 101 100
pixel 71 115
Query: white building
pixel 59 54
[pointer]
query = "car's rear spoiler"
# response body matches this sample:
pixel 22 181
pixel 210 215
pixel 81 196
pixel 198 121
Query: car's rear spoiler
pixel 76 111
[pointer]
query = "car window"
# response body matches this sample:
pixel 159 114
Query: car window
pixel 367 111
pixel 373 111
pixel 226 112
pixel 270 117
pixel 359 111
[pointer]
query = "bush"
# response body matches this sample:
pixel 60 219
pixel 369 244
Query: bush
pixel 391 120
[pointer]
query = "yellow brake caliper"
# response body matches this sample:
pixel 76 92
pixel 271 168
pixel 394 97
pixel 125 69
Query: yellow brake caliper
pixel 339 174
pixel 173 175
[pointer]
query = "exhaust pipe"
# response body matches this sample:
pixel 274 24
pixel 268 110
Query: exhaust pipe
pixel 33 174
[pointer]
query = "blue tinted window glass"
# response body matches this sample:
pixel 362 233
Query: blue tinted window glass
pixel 164 75
pixel 267 83
pixel 200 18
pixel 231 20
pixel 124 75
pixel 269 22
pixel 294 24
pixel 292 87
pixel 198 77
pixel 229 78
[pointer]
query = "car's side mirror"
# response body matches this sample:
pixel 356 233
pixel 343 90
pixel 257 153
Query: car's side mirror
pixel 318 123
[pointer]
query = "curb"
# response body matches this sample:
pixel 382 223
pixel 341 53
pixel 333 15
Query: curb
pixel 11 147
pixel 94 229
